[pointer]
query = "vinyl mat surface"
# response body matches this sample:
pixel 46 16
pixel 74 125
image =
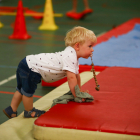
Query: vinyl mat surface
pixel 114 110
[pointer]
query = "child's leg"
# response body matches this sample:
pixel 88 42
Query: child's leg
pixel 74 6
pixel 73 13
pixel 86 4
pixel 87 9
pixel 30 111
pixel 17 98
pixel 11 111
pixel 27 81
pixel 28 104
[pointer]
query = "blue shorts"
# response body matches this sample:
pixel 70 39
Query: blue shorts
pixel 27 80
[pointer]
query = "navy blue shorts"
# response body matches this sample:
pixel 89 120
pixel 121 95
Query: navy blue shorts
pixel 27 80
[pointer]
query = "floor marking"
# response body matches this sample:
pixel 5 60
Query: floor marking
pixel 7 80
pixel 29 14
pixel 5 92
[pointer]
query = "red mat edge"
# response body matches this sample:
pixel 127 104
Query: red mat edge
pixel 82 68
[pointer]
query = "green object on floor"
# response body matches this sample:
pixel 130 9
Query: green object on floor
pixel 64 99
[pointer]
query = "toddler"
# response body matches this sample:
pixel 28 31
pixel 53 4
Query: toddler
pixel 51 67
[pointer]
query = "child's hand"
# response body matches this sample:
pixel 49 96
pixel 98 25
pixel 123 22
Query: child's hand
pixel 84 91
pixel 83 100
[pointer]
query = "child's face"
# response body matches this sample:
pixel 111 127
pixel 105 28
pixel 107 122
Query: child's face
pixel 86 49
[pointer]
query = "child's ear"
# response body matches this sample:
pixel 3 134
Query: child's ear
pixel 77 46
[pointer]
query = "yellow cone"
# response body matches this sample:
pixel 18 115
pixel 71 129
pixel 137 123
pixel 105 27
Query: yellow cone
pixel 48 19
pixel 1 25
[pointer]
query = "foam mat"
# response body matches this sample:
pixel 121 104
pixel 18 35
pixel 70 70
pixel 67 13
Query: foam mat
pixel 114 111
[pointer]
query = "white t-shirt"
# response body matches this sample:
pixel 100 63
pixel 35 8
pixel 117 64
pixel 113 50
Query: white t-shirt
pixel 53 66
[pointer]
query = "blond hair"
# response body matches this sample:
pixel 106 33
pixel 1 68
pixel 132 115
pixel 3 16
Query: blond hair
pixel 79 35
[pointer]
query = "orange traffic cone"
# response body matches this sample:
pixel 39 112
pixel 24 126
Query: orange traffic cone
pixel 20 26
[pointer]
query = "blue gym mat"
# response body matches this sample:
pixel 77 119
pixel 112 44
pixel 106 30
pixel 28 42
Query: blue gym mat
pixel 121 51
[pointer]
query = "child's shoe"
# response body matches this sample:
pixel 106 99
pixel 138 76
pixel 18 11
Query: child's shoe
pixel 74 15
pixel 27 114
pixel 9 111
pixel 87 11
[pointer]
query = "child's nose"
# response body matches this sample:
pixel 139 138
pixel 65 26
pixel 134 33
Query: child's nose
pixel 92 50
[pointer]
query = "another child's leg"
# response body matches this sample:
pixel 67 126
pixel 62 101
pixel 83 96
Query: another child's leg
pixel 73 13
pixel 74 7
pixel 87 8
pixel 86 4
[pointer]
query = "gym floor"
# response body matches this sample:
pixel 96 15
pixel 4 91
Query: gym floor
pixel 107 15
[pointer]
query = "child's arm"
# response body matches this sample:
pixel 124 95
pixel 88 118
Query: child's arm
pixel 78 80
pixel 79 83
pixel 72 81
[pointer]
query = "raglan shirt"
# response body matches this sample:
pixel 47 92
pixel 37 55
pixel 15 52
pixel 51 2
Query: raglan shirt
pixel 53 66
